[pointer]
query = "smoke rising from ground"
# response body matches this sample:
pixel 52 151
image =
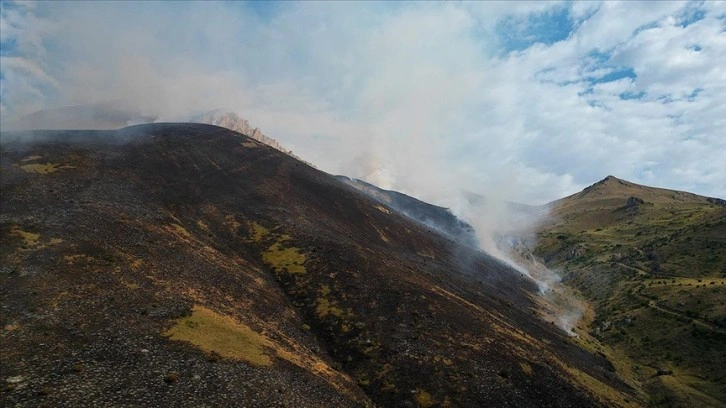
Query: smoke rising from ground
pixel 507 231
pixel 415 98
pixel 426 98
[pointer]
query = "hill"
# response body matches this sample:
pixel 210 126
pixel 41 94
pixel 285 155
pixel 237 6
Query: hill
pixel 186 265
pixel 653 263
pixel 109 115
pixel 114 115
pixel 433 216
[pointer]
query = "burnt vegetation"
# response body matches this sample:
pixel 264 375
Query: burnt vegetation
pixel 188 265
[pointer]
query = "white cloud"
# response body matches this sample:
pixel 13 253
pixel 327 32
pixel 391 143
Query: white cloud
pixel 418 96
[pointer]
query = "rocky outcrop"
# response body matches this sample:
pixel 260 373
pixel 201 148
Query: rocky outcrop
pixel 633 202
pixel 575 252
pixel 232 121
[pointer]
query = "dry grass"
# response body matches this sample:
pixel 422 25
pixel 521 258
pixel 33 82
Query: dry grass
pixel 31 158
pixel 216 333
pixel 202 225
pixel 284 259
pixel 381 235
pixel 181 231
pixel 43 168
pixel 228 338
pixel 324 307
pixel 612 397
pixel 31 240
pixel 232 222
pixel 647 270
pixel 258 231
pixel 423 399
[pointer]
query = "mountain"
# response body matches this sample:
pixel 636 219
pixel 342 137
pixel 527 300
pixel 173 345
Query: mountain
pixel 652 262
pixel 439 218
pixel 232 121
pixel 115 115
pixel 189 265
pixel 109 115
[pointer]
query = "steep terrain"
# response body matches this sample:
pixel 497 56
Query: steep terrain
pixel 188 265
pixel 653 263
pixel 232 121
pixel 439 218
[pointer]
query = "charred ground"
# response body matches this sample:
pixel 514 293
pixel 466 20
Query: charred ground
pixel 177 264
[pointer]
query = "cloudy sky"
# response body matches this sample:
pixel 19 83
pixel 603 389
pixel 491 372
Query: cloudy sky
pixel 526 101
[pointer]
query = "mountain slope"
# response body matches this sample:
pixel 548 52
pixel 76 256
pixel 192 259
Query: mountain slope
pixel 182 264
pixel 109 115
pixel 232 121
pixel 653 262
pixel 116 115
pixel 439 218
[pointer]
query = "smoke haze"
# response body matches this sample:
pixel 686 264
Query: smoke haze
pixel 522 102
pixel 424 98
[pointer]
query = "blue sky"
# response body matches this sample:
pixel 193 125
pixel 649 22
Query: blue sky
pixel 526 101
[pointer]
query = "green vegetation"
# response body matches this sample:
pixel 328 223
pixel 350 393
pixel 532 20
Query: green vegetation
pixel 423 399
pixel 40 168
pixel 30 239
pixel 321 298
pixel 654 270
pixel 325 307
pixel 221 335
pixel 258 231
pixel 284 259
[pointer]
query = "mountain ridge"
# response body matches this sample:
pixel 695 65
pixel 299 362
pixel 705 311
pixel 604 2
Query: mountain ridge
pixel 651 263
pixel 612 186
pixel 124 243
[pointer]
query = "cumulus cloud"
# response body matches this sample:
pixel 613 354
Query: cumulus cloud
pixel 524 101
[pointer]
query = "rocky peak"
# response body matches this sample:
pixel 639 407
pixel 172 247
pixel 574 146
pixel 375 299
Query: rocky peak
pixel 611 180
pixel 232 121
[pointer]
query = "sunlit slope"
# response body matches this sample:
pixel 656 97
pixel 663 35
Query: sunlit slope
pixel 187 265
pixel 653 261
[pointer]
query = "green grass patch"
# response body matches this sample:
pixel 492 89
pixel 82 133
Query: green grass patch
pixel 258 231
pixel 222 335
pixel 325 307
pixel 284 259
pixel 30 239
pixel 423 399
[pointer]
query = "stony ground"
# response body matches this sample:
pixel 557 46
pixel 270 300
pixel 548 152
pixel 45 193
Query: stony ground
pixel 187 265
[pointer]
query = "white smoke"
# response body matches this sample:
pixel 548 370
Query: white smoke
pixel 507 231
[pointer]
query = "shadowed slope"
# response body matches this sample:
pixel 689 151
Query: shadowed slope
pixel 131 268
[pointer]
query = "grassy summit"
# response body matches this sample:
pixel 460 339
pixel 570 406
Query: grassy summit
pixel 653 262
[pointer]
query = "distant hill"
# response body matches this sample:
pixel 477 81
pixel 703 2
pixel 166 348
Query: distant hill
pixel 653 263
pixel 99 116
pixel 189 265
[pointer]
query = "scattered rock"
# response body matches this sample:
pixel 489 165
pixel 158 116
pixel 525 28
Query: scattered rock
pixel 171 377
pixel 633 202
pixel 662 371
